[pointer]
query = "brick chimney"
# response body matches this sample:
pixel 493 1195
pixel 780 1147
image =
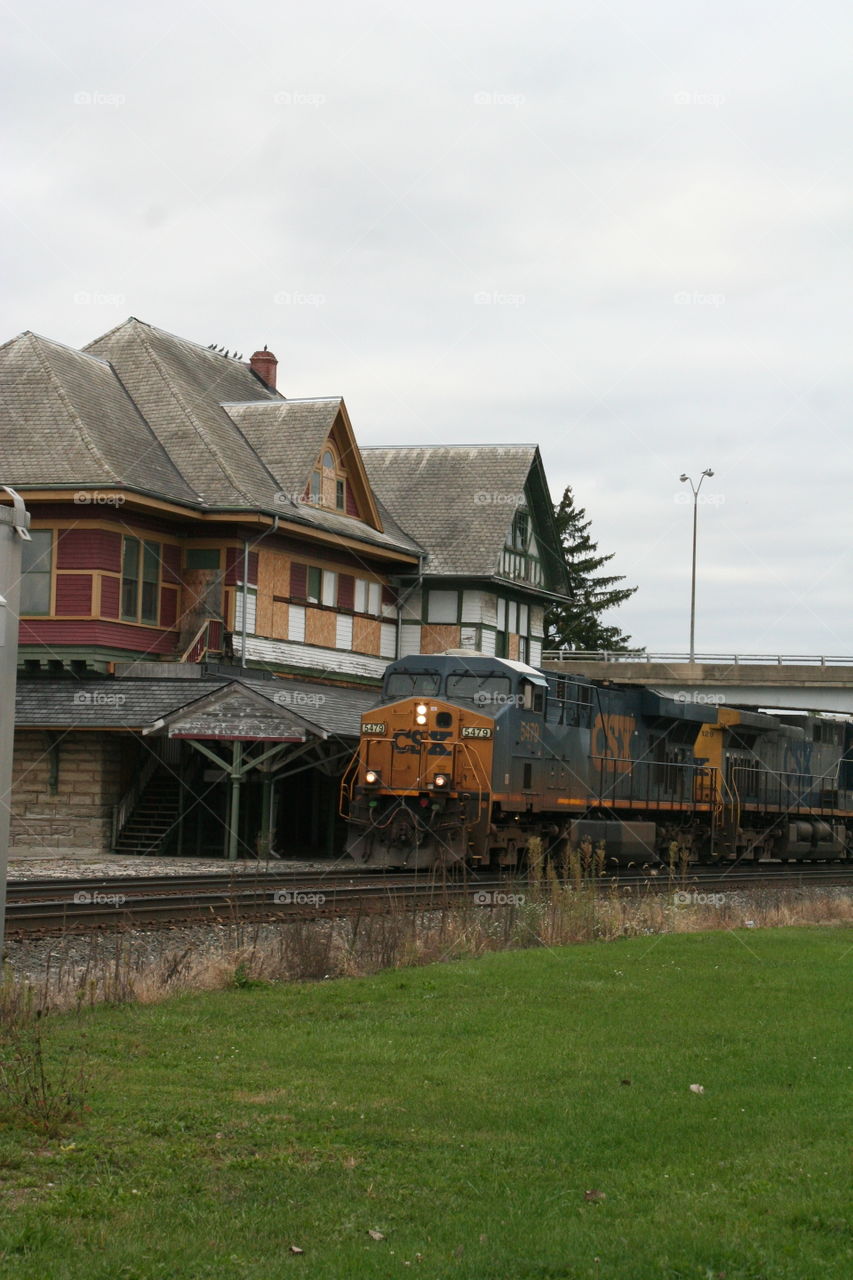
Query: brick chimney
pixel 264 364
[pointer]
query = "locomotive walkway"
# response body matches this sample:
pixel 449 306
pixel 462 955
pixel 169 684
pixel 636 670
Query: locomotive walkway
pixel 796 682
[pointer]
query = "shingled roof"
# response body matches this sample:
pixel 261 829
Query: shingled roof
pixel 180 386
pixel 458 502
pixel 143 409
pixel 289 436
pixel 67 422
pixel 137 704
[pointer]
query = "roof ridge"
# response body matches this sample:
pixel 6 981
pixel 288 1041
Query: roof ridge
pixel 178 337
pixel 285 400
pixel 424 448
pixel 53 342
pixel 198 426
pixel 84 430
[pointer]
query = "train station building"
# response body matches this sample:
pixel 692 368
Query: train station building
pixel 216 580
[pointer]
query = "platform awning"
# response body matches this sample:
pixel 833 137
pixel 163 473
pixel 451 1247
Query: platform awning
pixel 236 713
pixel 212 706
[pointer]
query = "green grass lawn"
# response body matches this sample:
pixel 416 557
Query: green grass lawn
pixel 463 1111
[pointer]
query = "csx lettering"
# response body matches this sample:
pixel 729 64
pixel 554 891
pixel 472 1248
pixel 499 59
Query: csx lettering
pixel 612 739
pixel 409 742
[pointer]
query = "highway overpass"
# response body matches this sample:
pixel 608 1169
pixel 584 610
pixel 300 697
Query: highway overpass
pixel 796 682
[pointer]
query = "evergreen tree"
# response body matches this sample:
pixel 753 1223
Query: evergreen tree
pixel 577 625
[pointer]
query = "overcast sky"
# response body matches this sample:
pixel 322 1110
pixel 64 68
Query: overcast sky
pixel 618 230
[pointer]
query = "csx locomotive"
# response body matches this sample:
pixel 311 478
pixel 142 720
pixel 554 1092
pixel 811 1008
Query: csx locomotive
pixel 467 757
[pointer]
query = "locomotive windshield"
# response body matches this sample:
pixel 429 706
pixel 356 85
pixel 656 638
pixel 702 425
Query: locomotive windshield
pixel 411 684
pixel 481 689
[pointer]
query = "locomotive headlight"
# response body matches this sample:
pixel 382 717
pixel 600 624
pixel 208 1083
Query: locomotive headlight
pixel 440 780
pixel 421 713
pixel 372 777
pixel 420 719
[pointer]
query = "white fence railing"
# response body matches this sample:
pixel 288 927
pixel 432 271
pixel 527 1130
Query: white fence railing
pixel 717 659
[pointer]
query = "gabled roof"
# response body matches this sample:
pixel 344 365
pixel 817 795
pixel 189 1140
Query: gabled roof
pixel 67 421
pixel 179 386
pixel 458 502
pixel 288 435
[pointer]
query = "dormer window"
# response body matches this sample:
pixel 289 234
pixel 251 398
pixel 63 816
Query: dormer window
pixel 520 530
pixel 329 482
pixel 520 558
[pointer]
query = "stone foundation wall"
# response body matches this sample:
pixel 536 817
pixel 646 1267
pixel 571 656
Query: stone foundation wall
pixel 63 795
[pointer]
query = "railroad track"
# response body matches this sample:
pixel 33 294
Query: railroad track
pixel 49 906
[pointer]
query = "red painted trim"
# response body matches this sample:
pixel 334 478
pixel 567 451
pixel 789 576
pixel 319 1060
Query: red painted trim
pixel 171 558
pixel 74 594
pixel 88 549
pixel 110 594
pixel 168 607
pixel 232 737
pixel 114 635
pixel 234 567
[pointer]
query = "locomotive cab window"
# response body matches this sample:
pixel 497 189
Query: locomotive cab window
pixel 532 696
pixel 482 689
pixel 409 684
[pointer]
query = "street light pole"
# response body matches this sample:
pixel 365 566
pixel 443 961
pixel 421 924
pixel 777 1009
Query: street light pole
pixel 695 488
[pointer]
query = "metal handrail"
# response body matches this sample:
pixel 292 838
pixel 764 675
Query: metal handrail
pixel 729 659
pixel 617 775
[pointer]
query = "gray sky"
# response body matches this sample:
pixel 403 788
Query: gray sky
pixel 618 230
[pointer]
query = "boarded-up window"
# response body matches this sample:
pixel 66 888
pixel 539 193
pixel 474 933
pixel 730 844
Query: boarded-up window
pixel 343 632
pixel 443 606
pixel 388 640
pixel 298 581
pixel 296 622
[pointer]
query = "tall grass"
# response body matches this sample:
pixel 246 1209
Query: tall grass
pixel 556 906
pixel 34 1088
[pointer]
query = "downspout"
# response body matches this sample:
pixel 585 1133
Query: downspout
pixel 401 600
pixel 247 542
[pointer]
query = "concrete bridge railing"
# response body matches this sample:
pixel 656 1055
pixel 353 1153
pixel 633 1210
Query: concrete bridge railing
pixel 713 659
